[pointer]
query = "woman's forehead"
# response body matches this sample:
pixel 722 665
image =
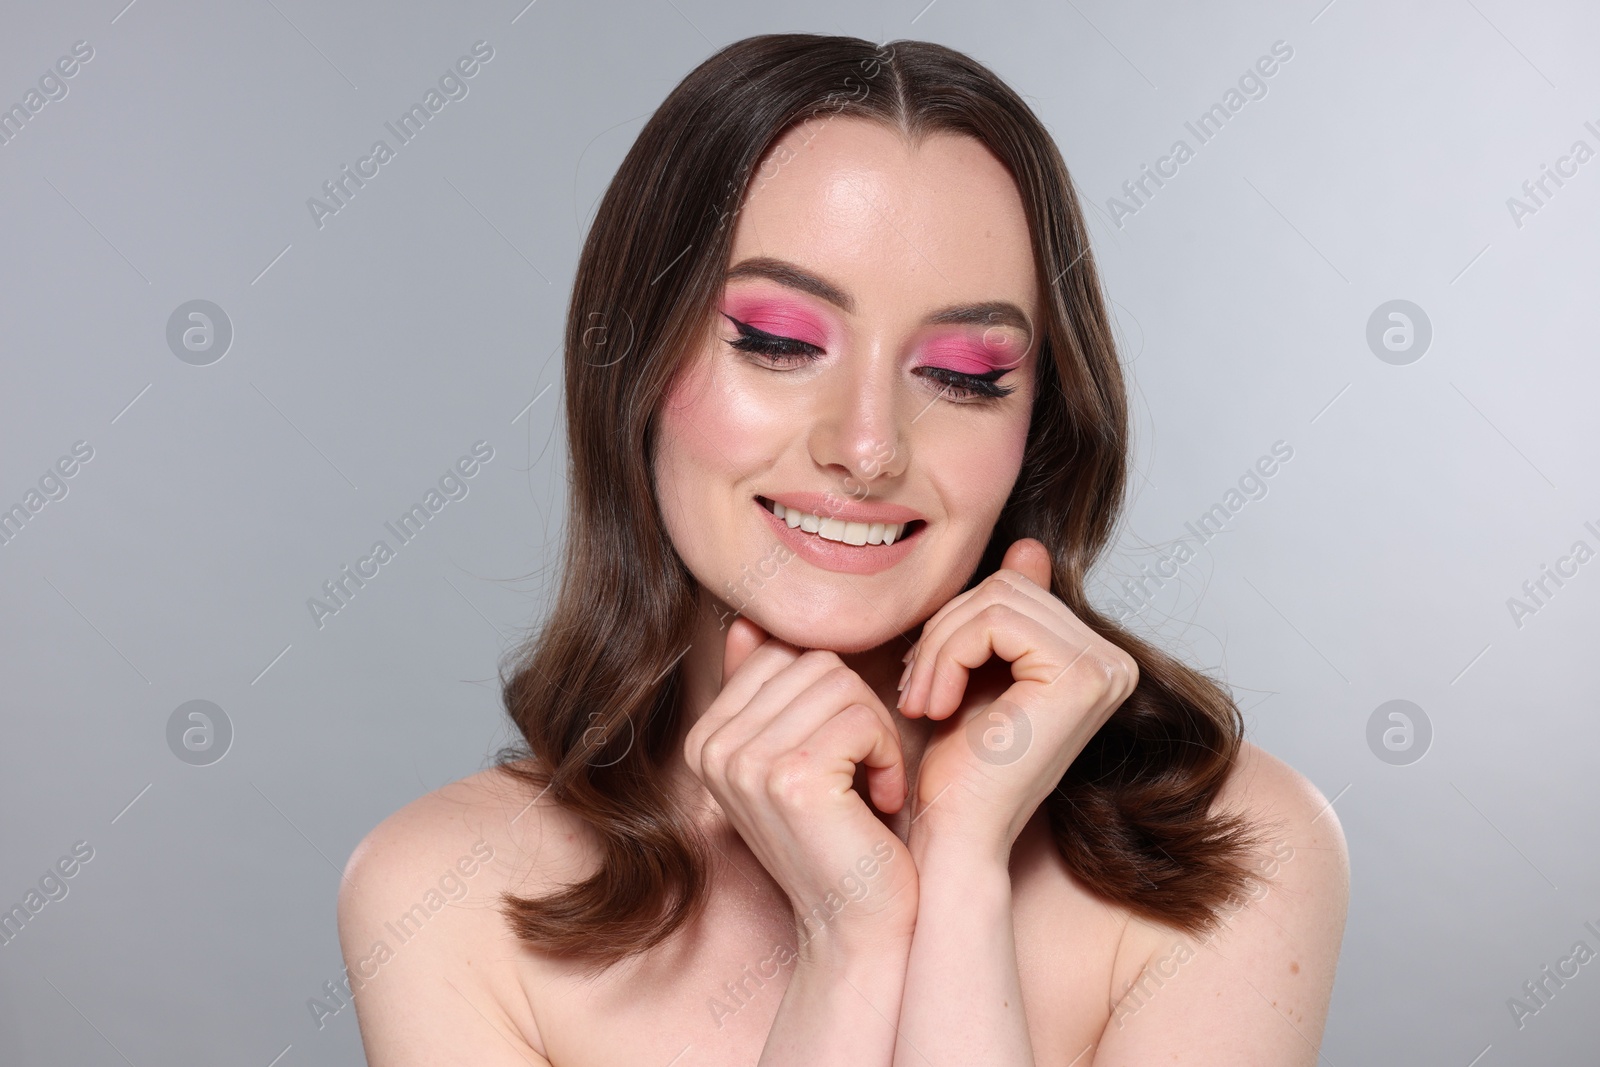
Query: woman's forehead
pixel 854 202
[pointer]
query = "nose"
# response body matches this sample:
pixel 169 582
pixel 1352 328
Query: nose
pixel 857 434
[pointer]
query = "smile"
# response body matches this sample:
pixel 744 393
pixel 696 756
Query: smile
pixel 851 546
pixel 831 529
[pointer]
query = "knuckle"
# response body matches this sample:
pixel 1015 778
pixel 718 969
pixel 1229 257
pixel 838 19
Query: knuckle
pixel 716 751
pixel 994 613
pixel 741 766
pixel 1116 671
pixel 1089 670
pixel 747 780
pixel 999 584
pixel 841 679
pixel 788 779
pixel 859 714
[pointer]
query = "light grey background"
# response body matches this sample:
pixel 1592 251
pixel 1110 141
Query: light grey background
pixel 370 354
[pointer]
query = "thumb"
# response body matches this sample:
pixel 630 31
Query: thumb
pixel 744 637
pixel 1029 557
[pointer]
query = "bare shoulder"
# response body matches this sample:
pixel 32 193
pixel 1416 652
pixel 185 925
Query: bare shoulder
pixel 431 962
pixel 1257 987
pixel 1264 784
pixel 1289 814
pixel 1301 866
pixel 522 836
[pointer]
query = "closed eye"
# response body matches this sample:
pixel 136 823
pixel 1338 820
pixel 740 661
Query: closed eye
pixel 785 349
pixel 790 352
pixel 981 386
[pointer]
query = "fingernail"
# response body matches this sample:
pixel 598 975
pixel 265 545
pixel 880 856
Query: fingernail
pixel 904 692
pixel 912 651
pixel 904 675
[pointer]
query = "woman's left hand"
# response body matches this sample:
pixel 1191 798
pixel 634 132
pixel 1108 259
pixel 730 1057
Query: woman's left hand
pixel 981 779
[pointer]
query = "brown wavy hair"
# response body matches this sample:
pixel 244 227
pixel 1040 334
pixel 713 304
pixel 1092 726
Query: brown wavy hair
pixel 594 693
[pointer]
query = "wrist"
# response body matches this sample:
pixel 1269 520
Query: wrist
pixel 842 1004
pixel 857 956
pixel 950 851
pixel 961 876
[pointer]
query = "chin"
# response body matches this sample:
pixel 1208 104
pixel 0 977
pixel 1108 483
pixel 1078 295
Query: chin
pixel 824 628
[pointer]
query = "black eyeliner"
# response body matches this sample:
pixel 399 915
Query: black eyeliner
pixel 752 339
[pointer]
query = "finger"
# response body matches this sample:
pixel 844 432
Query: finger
pixel 856 735
pixel 1037 562
pixel 1029 556
pixel 998 630
pixel 1003 587
pixel 752 666
pixel 747 758
pixel 755 667
pixel 772 678
pixel 744 637
pixel 825 694
pixel 1092 679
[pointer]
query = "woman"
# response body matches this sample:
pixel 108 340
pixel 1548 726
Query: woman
pixel 829 760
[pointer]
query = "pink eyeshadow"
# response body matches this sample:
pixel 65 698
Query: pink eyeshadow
pixel 973 356
pixel 785 318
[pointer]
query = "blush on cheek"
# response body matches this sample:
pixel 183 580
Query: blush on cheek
pixel 719 427
pixel 687 427
pixel 685 463
pixel 717 435
pixel 978 475
pixel 991 468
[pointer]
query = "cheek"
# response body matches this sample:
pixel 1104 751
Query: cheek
pixel 712 434
pixel 980 471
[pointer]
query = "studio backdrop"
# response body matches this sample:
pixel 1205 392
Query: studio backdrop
pixel 1350 249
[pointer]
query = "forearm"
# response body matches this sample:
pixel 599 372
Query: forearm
pixel 841 1006
pixel 963 996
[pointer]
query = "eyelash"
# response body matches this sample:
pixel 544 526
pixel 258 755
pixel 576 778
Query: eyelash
pixel 962 387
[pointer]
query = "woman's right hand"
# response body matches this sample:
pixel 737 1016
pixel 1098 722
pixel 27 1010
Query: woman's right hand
pixel 778 749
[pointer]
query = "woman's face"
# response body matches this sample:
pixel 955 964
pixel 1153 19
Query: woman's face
pixel 880 294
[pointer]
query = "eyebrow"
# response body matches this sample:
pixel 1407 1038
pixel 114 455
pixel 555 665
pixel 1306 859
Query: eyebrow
pixel 986 313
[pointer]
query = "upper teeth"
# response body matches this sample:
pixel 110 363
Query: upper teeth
pixel 850 533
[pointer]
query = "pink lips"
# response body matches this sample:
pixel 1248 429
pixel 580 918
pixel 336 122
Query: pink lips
pixel 834 506
pixel 836 555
